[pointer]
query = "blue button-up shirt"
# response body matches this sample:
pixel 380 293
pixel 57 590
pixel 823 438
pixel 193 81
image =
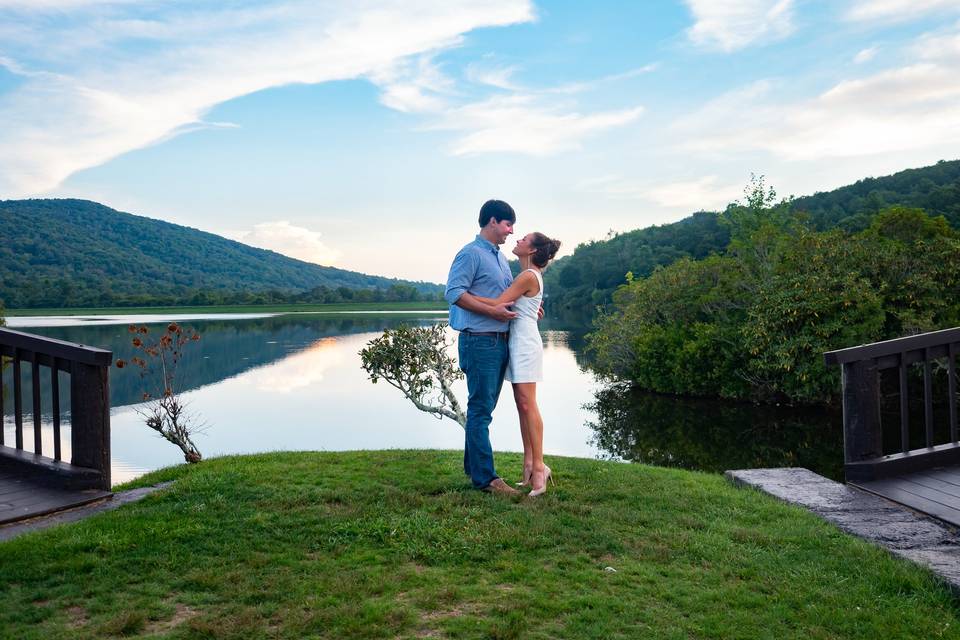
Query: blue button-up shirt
pixel 479 269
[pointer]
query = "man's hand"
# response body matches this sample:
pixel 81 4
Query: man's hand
pixel 540 312
pixel 502 312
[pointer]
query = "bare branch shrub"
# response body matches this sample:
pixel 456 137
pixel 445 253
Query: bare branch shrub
pixel 165 412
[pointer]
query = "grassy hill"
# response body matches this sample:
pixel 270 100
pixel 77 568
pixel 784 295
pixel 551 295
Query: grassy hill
pixel 68 253
pixel 393 544
pixel 594 271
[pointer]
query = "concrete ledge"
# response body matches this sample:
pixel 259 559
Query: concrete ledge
pixel 900 530
pixel 15 529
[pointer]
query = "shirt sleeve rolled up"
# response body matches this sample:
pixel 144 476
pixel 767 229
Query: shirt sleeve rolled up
pixel 462 273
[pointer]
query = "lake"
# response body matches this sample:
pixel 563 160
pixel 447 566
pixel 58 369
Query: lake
pixel 261 382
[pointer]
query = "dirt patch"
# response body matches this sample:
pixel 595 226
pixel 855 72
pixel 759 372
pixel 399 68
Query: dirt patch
pixel 181 613
pixel 452 612
pixel 76 617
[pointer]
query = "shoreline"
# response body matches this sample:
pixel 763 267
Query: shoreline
pixel 273 309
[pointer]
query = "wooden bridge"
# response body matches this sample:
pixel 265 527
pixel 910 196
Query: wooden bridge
pixel 34 484
pixel 881 452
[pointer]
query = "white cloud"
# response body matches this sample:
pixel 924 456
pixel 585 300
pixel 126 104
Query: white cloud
pixel 524 120
pixel 106 77
pixel 729 25
pixel 413 85
pixel 865 55
pixel 578 87
pixel 943 48
pixel 521 124
pixel 705 193
pixel 900 109
pixel 281 236
pixel 499 77
pixel 896 10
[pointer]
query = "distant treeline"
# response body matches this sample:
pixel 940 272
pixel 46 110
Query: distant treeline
pixel 76 253
pixel 589 277
pixel 62 293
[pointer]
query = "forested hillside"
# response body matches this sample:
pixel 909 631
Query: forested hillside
pixel 71 253
pixel 754 321
pixel 935 189
pixel 590 276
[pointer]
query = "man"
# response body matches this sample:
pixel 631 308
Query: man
pixel 480 269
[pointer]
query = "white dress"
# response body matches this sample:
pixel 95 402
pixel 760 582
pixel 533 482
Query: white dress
pixel 526 347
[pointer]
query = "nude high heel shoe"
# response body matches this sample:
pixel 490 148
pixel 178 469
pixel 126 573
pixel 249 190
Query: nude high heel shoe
pixel 527 476
pixel 547 477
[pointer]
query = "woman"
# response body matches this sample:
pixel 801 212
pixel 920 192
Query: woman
pixel 525 368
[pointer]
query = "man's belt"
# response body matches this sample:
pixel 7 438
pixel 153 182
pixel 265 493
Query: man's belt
pixel 490 334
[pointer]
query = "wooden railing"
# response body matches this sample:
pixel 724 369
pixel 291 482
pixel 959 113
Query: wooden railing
pixel 862 431
pixel 88 368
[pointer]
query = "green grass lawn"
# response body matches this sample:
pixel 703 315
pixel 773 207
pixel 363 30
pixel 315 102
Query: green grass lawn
pixel 394 544
pixel 237 308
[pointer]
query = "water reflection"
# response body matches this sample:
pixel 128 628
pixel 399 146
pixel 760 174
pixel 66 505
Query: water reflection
pixel 714 436
pixel 228 348
pixel 294 382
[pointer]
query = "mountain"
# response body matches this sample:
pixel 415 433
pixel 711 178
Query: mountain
pixel 587 278
pixel 70 253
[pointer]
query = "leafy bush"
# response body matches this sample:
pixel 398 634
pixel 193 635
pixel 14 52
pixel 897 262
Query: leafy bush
pixel 754 322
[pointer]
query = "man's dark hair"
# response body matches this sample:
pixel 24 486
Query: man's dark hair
pixel 498 210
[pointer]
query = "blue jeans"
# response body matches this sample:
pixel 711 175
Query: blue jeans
pixel 484 361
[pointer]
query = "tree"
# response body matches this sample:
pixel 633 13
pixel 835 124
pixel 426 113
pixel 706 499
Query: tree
pixel 415 361
pixel 165 411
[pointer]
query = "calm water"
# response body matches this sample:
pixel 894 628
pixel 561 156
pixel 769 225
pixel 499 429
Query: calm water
pixel 294 382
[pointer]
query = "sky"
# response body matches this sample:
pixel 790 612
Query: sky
pixel 366 134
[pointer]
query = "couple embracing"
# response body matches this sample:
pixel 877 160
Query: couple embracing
pixel 497 316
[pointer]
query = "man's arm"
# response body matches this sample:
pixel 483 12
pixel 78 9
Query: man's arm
pixel 499 312
pixel 462 272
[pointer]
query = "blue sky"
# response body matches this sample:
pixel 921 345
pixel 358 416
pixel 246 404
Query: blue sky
pixel 366 134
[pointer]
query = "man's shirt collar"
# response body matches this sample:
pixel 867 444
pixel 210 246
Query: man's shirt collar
pixel 486 244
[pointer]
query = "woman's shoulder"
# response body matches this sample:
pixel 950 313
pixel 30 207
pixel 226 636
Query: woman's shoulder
pixel 530 278
pixel 527 275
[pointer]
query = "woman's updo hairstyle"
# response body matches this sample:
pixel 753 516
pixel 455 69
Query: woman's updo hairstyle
pixel 544 249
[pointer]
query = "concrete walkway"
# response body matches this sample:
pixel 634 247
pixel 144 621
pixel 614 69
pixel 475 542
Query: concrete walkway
pixel 898 529
pixel 119 499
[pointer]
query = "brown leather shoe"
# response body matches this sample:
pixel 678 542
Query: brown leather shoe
pixel 500 487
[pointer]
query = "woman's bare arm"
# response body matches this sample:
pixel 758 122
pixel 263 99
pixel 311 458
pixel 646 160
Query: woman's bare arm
pixel 525 285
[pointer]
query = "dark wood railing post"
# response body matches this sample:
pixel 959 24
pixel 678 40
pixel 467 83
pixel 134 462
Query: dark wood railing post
pixel 862 429
pixel 89 371
pixel 862 437
pixel 90 418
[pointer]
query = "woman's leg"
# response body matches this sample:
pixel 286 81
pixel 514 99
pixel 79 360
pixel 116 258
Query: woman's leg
pixel 525 393
pixel 524 434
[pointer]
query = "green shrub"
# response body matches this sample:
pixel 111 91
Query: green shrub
pixel 754 323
